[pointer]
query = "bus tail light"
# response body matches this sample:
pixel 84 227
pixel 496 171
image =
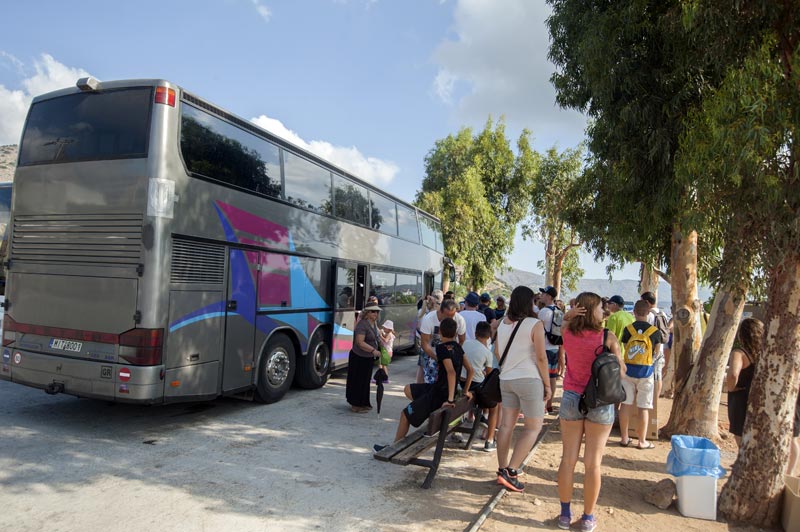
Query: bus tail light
pixel 142 347
pixel 165 96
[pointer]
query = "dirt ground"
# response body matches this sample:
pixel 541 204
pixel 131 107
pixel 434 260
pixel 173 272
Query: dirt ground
pixel 628 473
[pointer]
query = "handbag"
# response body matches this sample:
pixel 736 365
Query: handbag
pixel 487 394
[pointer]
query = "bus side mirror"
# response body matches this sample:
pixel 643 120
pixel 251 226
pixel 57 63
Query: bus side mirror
pixel 452 275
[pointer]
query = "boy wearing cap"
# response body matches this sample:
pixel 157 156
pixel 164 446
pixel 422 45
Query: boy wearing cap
pixel 619 318
pixel 485 306
pixel 471 314
pixel 555 354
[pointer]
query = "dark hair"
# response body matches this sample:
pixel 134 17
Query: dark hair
pixel 521 305
pixel 650 297
pixel 587 322
pixel 751 337
pixel 448 304
pixel 448 328
pixel 641 308
pixel 483 330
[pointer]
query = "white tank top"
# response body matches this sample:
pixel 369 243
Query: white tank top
pixel 520 362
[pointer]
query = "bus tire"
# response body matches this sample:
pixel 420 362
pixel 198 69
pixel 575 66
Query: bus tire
pixel 314 368
pixel 276 369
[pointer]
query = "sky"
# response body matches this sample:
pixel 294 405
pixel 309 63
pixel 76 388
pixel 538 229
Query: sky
pixel 368 84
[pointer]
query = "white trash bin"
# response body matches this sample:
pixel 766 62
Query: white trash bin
pixel 697 496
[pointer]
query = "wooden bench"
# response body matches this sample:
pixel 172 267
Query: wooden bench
pixel 441 422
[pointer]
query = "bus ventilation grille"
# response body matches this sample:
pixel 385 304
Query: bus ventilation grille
pixel 197 262
pixel 80 239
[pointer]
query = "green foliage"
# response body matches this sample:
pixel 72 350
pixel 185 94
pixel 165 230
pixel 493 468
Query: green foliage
pixel 551 197
pixel 472 185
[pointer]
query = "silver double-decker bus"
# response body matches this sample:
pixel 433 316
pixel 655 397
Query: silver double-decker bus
pixel 163 249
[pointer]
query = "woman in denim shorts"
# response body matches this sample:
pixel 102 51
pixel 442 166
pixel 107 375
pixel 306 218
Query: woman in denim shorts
pixel 582 335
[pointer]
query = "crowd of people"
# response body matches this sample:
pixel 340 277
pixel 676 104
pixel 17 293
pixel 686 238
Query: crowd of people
pixel 534 341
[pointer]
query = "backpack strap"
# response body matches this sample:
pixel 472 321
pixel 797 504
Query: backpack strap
pixel 650 330
pixel 631 330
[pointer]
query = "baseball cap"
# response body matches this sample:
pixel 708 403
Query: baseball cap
pixel 486 297
pixel 549 290
pixel 472 299
pixel 617 299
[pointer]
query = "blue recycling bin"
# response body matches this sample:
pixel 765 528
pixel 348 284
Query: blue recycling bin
pixel 694 456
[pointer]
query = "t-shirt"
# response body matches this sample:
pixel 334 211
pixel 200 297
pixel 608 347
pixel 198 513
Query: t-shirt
pixel 546 315
pixel 617 322
pixel 472 318
pixel 430 325
pixel 370 332
pixel 499 313
pixel 448 351
pixel 479 358
pixel 581 348
pixel 487 311
pixel 520 363
pixel 638 371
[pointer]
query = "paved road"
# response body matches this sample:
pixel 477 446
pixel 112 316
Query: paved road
pixel 305 463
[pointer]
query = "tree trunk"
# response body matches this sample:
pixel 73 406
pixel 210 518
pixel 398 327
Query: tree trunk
pixel 685 311
pixel 549 258
pixel 753 493
pixel 558 266
pixel 648 279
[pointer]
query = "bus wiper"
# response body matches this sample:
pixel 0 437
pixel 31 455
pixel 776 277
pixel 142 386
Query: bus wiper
pixel 62 143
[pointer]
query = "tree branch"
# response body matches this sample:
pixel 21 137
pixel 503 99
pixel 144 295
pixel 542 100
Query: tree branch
pixel 663 275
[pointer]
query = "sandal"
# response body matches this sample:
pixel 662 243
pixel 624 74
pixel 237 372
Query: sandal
pixel 648 446
pixel 625 443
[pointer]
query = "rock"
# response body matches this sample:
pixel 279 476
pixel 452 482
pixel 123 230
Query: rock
pixel 537 502
pixel 610 511
pixel 662 494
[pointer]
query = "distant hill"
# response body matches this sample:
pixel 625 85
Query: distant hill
pixel 8 162
pixel 627 288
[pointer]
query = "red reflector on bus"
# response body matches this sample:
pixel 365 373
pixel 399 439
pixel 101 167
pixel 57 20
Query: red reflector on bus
pixel 165 96
pixel 9 326
pixel 56 332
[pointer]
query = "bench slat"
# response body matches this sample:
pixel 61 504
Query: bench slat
pixel 435 419
pixel 385 454
pixel 405 456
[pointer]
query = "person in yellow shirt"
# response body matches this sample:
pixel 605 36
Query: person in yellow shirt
pixel 619 318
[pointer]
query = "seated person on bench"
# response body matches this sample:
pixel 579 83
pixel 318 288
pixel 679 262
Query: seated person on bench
pixel 426 398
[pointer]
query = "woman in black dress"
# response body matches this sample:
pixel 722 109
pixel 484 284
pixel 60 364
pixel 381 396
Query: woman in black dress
pixel 741 368
pixel 359 366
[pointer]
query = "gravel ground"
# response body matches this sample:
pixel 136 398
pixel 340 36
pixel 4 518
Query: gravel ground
pixel 304 463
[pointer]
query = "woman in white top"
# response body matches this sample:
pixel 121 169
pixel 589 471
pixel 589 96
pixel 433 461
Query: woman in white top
pixel 521 384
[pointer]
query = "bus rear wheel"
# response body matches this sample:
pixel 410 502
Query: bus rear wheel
pixel 276 369
pixel 313 369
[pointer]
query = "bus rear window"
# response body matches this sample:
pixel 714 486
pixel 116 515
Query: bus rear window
pixel 114 124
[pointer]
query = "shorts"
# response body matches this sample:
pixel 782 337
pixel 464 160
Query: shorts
pixel 658 368
pixel 552 363
pixel 642 389
pixel 570 410
pixel 524 394
pixel 425 401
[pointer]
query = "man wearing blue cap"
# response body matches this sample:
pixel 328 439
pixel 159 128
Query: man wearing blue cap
pixel 471 314
pixel 486 308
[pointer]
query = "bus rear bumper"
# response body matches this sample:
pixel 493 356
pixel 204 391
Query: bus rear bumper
pixel 84 378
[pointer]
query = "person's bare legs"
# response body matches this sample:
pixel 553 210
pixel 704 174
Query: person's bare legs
pixel 504 435
pixel 571 435
pixel 794 454
pixel 625 412
pixel 494 415
pixel 596 438
pixel 402 427
pixel 531 428
pixel 738 441
pixel 641 426
pixel 420 375
pixel 407 391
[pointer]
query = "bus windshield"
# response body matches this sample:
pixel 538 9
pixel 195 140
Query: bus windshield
pixel 114 124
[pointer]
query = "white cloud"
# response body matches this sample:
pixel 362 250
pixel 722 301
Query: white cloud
pixel 49 75
pixel 262 10
pixel 370 169
pixel 496 63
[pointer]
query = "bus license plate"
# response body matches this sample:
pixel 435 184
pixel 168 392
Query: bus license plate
pixel 65 345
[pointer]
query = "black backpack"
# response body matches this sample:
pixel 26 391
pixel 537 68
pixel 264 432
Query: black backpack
pixel 605 384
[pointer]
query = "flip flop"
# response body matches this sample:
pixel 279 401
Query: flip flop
pixel 648 446
pixel 625 443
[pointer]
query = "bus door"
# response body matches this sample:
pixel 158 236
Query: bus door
pixel 240 315
pixel 350 298
pixel 428 286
